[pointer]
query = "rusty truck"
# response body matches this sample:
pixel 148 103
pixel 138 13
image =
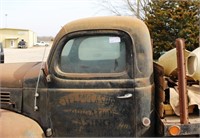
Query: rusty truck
pixel 99 80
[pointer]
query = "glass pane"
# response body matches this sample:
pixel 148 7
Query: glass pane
pixel 67 48
pixel 94 54
pixel 99 48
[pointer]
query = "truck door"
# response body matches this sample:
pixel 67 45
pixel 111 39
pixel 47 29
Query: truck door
pixel 91 92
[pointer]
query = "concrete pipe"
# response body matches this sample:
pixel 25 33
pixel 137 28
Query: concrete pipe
pixel 169 61
pixel 193 64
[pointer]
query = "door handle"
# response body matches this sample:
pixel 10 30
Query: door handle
pixel 128 95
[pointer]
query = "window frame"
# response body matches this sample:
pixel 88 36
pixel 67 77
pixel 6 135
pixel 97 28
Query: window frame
pixel 127 73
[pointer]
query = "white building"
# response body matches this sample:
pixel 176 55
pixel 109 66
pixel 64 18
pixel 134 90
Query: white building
pixel 11 36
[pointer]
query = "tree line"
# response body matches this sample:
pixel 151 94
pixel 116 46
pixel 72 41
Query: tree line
pixel 166 20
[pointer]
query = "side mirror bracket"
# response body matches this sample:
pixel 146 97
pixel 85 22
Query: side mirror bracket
pixel 45 71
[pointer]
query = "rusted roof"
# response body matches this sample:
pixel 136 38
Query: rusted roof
pixel 108 22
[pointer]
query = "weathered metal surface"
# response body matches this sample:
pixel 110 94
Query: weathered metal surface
pixel 88 104
pixel 11 99
pixel 193 128
pixel 12 74
pixel 159 89
pixel 98 112
pixel 29 87
pixel 16 125
pixel 182 88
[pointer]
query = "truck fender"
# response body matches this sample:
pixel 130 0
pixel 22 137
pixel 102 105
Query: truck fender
pixel 15 125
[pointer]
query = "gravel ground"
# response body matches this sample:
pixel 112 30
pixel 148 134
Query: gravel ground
pixel 13 55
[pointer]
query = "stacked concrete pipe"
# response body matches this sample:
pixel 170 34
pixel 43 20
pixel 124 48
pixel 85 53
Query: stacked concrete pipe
pixel 193 64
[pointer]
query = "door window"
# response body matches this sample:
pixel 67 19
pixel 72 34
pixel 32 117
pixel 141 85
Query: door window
pixel 94 54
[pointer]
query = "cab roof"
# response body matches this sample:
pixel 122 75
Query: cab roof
pixel 128 24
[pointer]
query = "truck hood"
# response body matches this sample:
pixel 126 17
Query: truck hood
pixel 12 74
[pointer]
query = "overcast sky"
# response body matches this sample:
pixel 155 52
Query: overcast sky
pixel 45 17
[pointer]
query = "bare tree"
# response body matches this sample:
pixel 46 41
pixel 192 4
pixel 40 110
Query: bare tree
pixel 126 7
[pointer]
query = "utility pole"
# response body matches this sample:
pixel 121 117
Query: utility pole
pixel 6 20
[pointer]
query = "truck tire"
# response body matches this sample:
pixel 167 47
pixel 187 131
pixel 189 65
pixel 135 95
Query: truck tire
pixel 15 125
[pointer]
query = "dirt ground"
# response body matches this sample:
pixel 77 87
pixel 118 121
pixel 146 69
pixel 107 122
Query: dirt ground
pixel 13 55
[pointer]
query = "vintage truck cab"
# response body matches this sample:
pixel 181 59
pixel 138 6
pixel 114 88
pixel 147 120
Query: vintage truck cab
pixel 97 81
